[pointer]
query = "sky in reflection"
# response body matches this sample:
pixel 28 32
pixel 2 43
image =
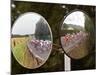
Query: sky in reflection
pixel 26 24
pixel 75 18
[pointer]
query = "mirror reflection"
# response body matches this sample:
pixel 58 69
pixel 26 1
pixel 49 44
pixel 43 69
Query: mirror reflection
pixel 31 40
pixel 74 34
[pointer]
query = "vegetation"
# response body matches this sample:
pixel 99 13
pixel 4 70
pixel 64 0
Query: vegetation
pixel 54 14
pixel 22 54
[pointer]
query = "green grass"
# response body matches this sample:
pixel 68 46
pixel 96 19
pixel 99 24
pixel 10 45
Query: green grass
pixel 19 49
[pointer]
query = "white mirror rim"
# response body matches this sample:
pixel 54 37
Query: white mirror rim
pixel 21 27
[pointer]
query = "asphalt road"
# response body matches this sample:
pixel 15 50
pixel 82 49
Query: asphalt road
pixel 37 51
pixel 70 45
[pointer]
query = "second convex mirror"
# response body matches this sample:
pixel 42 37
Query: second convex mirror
pixel 75 34
pixel 31 40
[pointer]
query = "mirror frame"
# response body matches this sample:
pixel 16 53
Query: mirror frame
pixel 19 16
pixel 67 14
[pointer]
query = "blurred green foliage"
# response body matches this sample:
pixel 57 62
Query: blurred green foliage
pixel 54 14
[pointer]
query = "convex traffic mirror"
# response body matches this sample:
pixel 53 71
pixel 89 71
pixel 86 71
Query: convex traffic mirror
pixel 31 40
pixel 75 35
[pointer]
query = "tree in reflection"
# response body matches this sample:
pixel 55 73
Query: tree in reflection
pixel 42 30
